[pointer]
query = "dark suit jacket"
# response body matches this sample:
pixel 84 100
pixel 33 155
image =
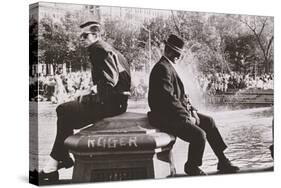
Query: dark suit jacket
pixel 110 70
pixel 166 97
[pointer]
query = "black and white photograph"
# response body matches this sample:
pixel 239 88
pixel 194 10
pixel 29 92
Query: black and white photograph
pixel 129 93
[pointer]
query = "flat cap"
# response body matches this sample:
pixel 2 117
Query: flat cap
pixel 91 26
pixel 89 23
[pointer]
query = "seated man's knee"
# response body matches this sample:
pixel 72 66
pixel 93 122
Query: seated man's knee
pixel 212 122
pixel 209 123
pixel 60 109
pixel 200 136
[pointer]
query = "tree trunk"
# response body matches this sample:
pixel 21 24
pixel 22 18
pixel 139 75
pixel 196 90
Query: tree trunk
pixel 266 65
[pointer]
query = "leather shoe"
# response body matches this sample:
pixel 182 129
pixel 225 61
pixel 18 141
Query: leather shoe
pixel 49 177
pixel 67 163
pixel 54 175
pixel 193 170
pixel 227 167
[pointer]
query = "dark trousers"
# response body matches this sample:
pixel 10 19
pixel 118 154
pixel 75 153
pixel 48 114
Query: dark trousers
pixel 76 115
pixel 197 136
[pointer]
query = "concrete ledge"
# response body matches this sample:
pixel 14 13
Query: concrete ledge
pixel 121 148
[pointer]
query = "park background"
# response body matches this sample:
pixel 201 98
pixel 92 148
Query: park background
pixel 15 93
pixel 217 44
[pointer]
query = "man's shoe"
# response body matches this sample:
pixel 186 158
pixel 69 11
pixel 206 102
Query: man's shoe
pixel 67 163
pixel 51 174
pixel 227 167
pixel 193 170
pixel 49 177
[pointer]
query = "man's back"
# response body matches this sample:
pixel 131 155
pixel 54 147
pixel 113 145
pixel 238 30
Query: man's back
pixel 166 94
pixel 106 64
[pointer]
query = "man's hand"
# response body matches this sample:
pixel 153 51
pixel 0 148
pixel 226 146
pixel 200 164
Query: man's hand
pixel 195 115
pixel 94 89
pixel 192 120
pixel 83 96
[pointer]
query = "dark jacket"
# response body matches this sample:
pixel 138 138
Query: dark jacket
pixel 110 71
pixel 166 96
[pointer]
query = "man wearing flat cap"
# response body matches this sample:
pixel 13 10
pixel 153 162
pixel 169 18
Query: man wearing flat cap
pixel 172 112
pixel 111 76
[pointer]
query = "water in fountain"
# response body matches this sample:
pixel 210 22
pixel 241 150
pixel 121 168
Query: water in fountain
pixel 188 73
pixel 247 132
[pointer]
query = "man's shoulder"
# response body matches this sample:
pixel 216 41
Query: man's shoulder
pixel 102 45
pixel 164 65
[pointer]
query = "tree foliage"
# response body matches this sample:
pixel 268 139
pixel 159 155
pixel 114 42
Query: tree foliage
pixel 262 29
pixel 215 42
pixel 33 43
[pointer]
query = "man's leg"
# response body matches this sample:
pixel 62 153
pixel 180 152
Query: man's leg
pixel 71 115
pixel 195 136
pixel 213 135
pixel 216 142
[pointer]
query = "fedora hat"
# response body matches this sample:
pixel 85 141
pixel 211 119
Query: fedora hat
pixel 175 43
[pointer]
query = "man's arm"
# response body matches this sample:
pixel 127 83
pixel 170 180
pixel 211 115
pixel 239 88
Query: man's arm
pixel 195 115
pixel 110 72
pixel 105 73
pixel 165 90
pixel 188 104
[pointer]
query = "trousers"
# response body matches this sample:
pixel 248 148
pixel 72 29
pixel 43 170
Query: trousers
pixel 197 135
pixel 76 115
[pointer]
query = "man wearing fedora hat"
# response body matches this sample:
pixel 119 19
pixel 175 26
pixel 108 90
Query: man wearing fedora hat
pixel 111 76
pixel 172 112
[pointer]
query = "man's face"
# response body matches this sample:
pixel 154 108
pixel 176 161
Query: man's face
pixel 88 38
pixel 178 58
pixel 173 55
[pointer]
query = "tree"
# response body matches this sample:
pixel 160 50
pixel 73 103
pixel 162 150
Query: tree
pixel 219 27
pixel 33 43
pixel 123 36
pixel 52 42
pixel 262 29
pixel 77 55
pixel 158 29
pixel 240 53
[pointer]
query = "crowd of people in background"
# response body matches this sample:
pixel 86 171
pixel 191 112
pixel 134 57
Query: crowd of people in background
pixel 222 82
pixel 61 87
